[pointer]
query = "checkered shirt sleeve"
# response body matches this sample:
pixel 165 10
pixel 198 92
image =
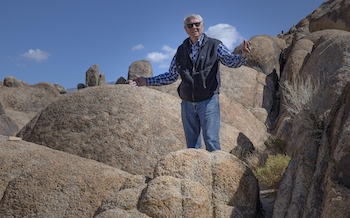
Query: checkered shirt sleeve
pixel 229 59
pixel 165 78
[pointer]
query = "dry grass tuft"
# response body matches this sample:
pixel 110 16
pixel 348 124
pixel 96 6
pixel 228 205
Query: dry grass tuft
pixel 300 94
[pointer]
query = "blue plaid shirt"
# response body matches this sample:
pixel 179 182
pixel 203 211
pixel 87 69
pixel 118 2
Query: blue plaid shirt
pixel 224 56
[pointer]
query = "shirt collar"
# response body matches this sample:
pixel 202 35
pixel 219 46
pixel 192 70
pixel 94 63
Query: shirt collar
pixel 199 42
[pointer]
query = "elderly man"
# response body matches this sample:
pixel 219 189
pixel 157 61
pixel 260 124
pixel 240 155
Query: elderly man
pixel 197 62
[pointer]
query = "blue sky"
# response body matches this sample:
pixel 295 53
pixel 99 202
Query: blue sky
pixel 56 41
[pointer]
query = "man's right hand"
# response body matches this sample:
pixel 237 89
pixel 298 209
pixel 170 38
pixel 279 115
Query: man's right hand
pixel 139 81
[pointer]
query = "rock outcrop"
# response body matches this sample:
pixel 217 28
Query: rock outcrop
pixel 20 104
pixel 91 78
pixel 11 81
pixel 187 183
pixel 316 182
pixel 36 181
pixel 60 88
pixel 126 127
pixel 140 68
pixel 8 126
pixel 236 189
pixel 190 183
pixel 333 14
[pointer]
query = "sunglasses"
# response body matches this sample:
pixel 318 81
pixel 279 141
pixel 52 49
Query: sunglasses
pixel 190 25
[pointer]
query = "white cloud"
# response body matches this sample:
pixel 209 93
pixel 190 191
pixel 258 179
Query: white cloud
pixel 163 58
pixel 169 50
pixel 157 57
pixel 137 47
pixel 225 33
pixel 37 55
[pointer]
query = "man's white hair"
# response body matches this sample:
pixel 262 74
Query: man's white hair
pixel 197 16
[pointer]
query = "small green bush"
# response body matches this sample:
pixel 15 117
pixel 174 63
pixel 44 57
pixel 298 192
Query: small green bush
pixel 271 174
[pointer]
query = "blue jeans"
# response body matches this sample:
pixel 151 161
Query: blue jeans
pixel 205 116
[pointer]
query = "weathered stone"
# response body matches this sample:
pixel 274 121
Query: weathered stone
pixel 329 65
pixel 244 147
pixel 227 211
pixel 102 80
pixel 121 80
pixel 303 26
pixel 14 138
pixel 315 183
pixel 3 138
pixel 117 212
pixel 300 52
pixel 8 127
pixel 11 81
pixel 140 68
pixel 80 86
pixel 92 77
pixel 133 127
pixel 321 59
pixel 243 120
pixel 321 36
pixel 126 198
pixel 264 54
pixel 245 85
pixel 21 118
pixel 170 89
pixel 2 108
pixel 60 88
pixel 36 181
pixel 331 15
pixel 236 187
pixel 29 98
pixel 265 58
pixel 167 196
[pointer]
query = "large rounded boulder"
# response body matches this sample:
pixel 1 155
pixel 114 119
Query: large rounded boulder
pixel 122 126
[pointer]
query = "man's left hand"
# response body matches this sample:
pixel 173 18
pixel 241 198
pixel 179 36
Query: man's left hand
pixel 247 46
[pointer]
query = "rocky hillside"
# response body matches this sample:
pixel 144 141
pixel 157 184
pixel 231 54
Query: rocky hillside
pixel 118 151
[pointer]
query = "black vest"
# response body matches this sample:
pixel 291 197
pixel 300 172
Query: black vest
pixel 201 80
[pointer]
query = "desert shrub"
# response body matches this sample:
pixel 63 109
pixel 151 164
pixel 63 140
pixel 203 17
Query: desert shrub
pixel 300 94
pixel 303 101
pixel 256 159
pixel 272 172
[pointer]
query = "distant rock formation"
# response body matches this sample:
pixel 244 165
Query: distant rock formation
pixel 140 68
pixel 19 104
pixel 11 81
pixel 102 80
pixel 81 86
pixel 60 88
pixel 91 78
pixel 121 80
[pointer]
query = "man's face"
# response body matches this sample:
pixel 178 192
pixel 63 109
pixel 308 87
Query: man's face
pixel 194 28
